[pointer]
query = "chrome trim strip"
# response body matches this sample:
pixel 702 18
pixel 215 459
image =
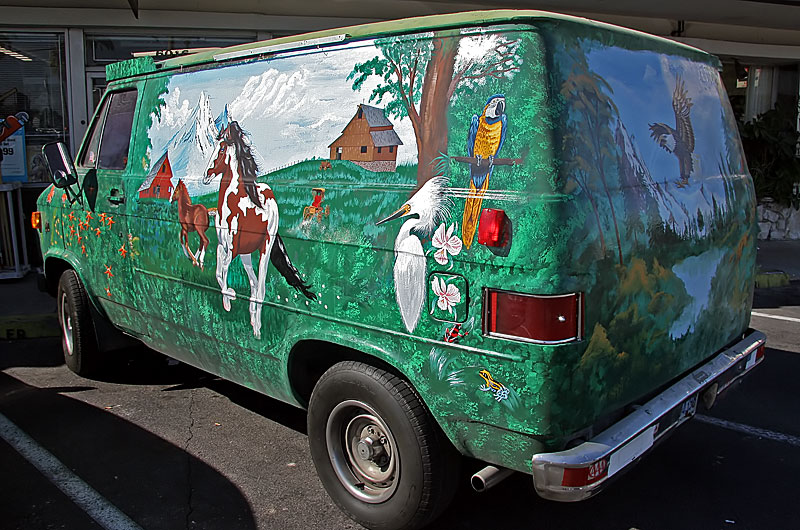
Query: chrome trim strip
pixel 272 48
pixel 546 466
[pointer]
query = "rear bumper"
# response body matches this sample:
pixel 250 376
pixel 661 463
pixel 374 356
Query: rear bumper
pixel 581 472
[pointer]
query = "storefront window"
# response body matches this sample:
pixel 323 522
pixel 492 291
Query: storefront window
pixel 104 49
pixel 32 80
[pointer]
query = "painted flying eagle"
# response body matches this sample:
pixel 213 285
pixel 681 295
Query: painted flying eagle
pixel 678 141
pixel 486 136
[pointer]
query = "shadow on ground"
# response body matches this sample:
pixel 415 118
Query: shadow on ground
pixel 151 480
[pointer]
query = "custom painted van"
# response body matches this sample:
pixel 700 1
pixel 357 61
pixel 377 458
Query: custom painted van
pixel 519 236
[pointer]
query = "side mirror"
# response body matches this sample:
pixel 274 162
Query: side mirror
pixel 62 169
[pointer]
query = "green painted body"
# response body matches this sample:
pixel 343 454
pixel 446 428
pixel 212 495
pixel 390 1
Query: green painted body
pixel 664 258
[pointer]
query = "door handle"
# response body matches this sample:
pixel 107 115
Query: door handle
pixel 116 196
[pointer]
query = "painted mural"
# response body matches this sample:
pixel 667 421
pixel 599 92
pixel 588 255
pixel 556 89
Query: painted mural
pixel 359 173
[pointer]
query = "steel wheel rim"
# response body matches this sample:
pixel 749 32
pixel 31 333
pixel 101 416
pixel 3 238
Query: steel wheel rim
pixel 66 325
pixel 362 451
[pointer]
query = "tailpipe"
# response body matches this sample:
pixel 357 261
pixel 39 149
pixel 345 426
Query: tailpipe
pixel 489 477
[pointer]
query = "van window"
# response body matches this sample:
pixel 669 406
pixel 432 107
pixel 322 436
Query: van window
pixel 89 158
pixel 117 131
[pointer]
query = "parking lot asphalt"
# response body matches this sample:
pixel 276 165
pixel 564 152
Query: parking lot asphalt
pixel 172 447
pixel 165 446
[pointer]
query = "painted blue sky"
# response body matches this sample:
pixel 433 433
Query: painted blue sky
pixel 643 83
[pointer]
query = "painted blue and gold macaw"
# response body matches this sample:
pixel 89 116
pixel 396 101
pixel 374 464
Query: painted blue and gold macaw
pixel 487 133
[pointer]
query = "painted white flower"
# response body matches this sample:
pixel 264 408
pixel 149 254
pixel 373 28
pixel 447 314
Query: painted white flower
pixel 446 242
pixel 448 294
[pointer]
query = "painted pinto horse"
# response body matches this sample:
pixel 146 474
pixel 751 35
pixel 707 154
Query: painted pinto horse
pixel 192 218
pixel 246 221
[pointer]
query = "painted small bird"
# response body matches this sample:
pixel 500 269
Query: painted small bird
pixel 678 141
pixel 487 133
pixel 430 205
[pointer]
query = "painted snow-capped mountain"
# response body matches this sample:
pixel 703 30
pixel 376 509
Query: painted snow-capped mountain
pixel 223 120
pixel 192 147
pixel 636 174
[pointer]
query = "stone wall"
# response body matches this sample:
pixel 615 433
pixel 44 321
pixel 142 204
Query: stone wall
pixel 378 165
pixel 776 221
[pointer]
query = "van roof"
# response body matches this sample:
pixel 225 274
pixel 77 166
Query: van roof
pixel 143 65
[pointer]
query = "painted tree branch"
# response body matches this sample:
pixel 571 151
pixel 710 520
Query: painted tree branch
pixel 505 54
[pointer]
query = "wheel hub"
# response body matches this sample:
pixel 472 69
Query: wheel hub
pixel 363 451
pixel 371 447
pixel 66 325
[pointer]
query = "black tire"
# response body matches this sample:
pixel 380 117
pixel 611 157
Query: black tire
pixel 402 473
pixel 78 339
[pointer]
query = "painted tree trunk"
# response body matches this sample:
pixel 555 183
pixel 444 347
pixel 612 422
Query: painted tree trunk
pixel 432 128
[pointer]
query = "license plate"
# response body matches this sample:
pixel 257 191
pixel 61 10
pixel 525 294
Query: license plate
pixel 688 408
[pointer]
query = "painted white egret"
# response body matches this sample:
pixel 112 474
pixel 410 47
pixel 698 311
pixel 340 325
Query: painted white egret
pixel 410 265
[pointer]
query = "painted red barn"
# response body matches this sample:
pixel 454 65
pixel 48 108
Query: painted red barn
pixel 158 184
pixel 369 140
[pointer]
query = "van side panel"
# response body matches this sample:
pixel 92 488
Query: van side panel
pixel 407 291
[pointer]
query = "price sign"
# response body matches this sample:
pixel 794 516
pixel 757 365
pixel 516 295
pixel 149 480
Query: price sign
pixel 14 165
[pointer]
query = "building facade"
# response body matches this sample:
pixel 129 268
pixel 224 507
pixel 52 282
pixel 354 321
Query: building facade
pixel 52 59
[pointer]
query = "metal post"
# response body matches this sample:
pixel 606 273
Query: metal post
pixel 13 222
pixel 24 255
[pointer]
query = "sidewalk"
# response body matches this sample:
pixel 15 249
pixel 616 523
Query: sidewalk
pixel 26 312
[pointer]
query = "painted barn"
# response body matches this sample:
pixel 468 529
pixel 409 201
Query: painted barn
pixel 369 140
pixel 158 184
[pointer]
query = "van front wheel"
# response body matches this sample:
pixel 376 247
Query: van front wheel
pixel 77 330
pixel 377 450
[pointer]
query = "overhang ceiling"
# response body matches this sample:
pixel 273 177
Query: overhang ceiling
pixel 777 14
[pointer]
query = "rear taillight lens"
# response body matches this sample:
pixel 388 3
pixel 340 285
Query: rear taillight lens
pixel 546 319
pixel 492 228
pixel 36 220
pixel 760 352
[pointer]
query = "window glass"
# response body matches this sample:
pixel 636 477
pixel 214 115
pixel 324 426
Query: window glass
pixel 104 49
pixel 33 81
pixel 117 131
pixel 89 157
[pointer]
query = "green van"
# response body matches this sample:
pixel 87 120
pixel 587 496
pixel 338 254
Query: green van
pixel 518 236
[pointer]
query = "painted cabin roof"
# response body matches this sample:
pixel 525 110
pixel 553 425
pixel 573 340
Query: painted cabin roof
pixel 148 181
pixel 375 116
pixel 385 138
pixel 143 65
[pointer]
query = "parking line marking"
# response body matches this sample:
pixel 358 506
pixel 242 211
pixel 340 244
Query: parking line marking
pixel 95 505
pixel 749 429
pixel 776 317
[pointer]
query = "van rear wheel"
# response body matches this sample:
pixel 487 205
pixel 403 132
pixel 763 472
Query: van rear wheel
pixel 78 338
pixel 377 450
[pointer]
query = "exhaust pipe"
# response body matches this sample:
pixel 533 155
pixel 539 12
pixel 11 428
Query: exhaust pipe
pixel 489 477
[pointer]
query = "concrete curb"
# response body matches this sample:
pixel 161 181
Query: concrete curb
pixel 29 326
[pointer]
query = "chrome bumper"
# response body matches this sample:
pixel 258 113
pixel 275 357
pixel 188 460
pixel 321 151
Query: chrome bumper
pixel 580 472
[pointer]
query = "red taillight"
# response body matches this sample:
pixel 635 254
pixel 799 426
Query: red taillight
pixel 760 352
pixel 36 220
pixel 492 228
pixel 548 319
pixel 583 476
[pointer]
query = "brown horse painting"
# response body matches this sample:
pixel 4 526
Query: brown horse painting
pixel 247 221
pixel 192 218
